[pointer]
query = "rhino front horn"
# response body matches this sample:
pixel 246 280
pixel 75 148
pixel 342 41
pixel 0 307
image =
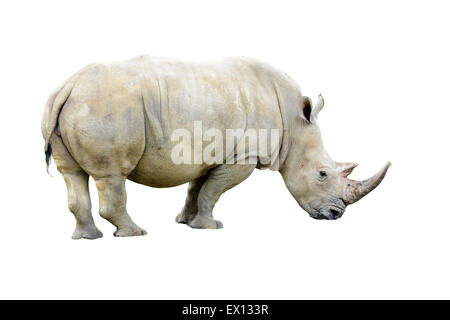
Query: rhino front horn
pixel 355 190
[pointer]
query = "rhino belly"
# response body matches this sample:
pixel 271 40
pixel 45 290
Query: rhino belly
pixel 156 169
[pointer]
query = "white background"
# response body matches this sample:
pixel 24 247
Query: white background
pixel 383 69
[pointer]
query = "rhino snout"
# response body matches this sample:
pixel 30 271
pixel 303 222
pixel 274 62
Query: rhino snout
pixel 330 213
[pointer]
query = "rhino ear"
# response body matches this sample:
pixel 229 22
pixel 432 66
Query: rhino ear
pixel 306 109
pixel 318 106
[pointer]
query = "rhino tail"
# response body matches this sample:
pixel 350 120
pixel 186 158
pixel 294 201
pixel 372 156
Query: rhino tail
pixel 53 108
pixel 48 154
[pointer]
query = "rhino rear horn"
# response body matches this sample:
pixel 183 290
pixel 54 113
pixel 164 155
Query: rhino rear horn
pixel 345 168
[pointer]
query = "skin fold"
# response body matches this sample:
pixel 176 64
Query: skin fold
pixel 114 122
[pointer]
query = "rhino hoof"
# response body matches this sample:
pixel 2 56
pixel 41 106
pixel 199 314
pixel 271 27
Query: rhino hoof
pixel 184 218
pixel 86 232
pixel 130 232
pixel 201 222
pixel 181 218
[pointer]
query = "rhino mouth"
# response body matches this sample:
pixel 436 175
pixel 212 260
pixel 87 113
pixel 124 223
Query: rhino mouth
pixel 330 213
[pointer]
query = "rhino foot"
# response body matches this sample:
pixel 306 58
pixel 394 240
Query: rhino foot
pixel 86 232
pixel 131 231
pixel 201 222
pixel 181 218
pixel 184 218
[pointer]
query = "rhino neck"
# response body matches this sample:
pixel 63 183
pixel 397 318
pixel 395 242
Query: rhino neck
pixel 303 146
pixel 290 157
pixel 295 144
pixel 288 116
pixel 280 165
pixel 289 98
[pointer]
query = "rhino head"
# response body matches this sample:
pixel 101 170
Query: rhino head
pixel 320 185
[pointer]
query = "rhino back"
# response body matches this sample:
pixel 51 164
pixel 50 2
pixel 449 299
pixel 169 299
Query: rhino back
pixel 166 95
pixel 235 93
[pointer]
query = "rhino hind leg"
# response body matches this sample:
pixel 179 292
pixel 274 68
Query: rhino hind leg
pixel 219 180
pixel 113 197
pixel 190 208
pixel 80 205
pixel 77 183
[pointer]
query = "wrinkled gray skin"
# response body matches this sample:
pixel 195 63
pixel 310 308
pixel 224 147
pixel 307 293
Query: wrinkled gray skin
pixel 114 122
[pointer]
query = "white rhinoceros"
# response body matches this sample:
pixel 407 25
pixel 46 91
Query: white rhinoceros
pixel 115 122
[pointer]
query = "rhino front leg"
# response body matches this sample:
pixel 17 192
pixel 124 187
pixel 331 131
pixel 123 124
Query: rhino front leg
pixel 190 207
pixel 80 205
pixel 113 198
pixel 219 180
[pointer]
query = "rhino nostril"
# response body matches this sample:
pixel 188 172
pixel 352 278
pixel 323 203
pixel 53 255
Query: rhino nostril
pixel 334 214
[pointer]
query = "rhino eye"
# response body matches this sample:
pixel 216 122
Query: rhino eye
pixel 323 174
